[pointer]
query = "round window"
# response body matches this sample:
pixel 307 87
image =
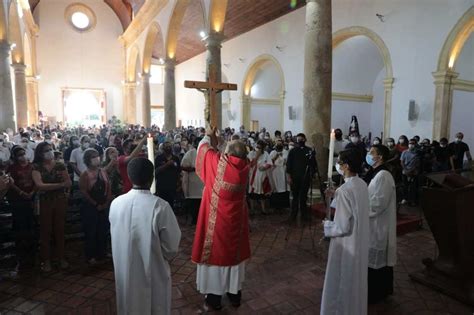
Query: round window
pixel 80 17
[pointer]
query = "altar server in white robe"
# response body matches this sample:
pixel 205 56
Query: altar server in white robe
pixel 192 184
pixel 345 283
pixel 145 236
pixel 383 225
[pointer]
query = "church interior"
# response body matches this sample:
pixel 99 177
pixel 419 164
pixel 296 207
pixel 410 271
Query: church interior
pixel 401 67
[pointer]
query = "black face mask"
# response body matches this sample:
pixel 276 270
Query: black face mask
pixel 167 149
pixel 301 143
pixel 338 136
pixel 279 148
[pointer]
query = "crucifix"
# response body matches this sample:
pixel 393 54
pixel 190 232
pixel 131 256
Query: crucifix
pixel 210 89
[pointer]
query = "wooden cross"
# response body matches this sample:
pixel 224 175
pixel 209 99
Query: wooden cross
pixel 210 88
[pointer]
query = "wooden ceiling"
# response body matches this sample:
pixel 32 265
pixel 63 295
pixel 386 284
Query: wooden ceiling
pixel 242 16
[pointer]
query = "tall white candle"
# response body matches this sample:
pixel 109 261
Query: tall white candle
pixel 151 156
pixel 331 154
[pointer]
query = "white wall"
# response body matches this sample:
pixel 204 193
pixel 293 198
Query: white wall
pixel 462 117
pixel 267 82
pixel 414 32
pixel 67 58
pixel 465 63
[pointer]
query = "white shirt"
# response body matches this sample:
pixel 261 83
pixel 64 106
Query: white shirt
pixel 278 171
pixel 77 156
pixel 345 283
pixel 145 236
pixel 383 221
pixel 192 184
pixel 256 181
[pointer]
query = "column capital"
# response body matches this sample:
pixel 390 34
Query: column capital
pixel 214 39
pixel 18 67
pixel 145 76
pixel 129 84
pixel 282 95
pixel 444 77
pixel 388 83
pixel 169 63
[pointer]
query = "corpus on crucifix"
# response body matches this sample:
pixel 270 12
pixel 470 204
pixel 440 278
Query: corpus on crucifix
pixel 210 88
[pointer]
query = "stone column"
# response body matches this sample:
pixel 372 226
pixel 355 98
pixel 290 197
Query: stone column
pixel 170 95
pixel 32 99
pixel 130 102
pixel 20 94
pixel 388 87
pixel 443 103
pixel 246 101
pixel 146 100
pixel 318 79
pixel 213 43
pixel 7 106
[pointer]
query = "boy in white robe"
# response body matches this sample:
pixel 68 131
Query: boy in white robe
pixel 345 283
pixel 145 236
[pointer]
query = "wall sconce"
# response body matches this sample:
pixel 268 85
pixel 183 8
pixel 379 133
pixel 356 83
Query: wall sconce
pixel 227 65
pixel 280 48
pixel 242 60
pixel 381 17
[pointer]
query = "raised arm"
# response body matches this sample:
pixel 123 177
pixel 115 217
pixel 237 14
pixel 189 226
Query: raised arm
pixel 136 151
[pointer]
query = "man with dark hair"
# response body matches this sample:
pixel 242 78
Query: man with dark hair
pixel 349 248
pixel 300 168
pixel 459 149
pixel 356 144
pixel 145 237
pixel 382 224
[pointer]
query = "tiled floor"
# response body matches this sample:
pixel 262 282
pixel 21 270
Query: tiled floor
pixel 283 277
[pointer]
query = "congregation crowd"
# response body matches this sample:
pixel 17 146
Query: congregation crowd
pixel 44 168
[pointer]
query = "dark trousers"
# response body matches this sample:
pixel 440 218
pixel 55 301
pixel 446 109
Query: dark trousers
pixel 168 195
pixel 23 221
pixel 192 208
pixel 299 190
pixel 410 188
pixel 95 225
pixel 380 284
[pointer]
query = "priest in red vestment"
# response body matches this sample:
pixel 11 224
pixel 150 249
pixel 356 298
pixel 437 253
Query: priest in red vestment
pixel 221 243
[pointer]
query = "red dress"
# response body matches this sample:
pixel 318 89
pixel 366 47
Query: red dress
pixel 222 230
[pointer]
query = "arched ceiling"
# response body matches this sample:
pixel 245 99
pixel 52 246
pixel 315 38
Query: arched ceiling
pixel 124 9
pixel 241 17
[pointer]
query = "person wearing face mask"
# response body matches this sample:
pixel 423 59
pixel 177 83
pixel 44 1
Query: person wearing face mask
pixel 20 197
pixel 340 143
pixel 167 170
pixel 29 152
pixel 356 144
pixel 4 152
pixel 94 144
pixel 110 164
pixel 348 257
pixel 52 181
pixel 393 160
pixel 77 159
pixel 443 157
pixel 410 163
pixel 192 185
pixel 95 188
pixel 300 167
pixel 382 225
pixel 460 149
pixel 402 144
pixel 280 195
pixel 259 184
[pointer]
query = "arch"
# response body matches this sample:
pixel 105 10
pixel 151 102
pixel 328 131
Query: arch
pixel 445 76
pixel 153 38
pixel 133 61
pixel 14 33
pixel 175 25
pixel 249 80
pixel 455 41
pixel 3 22
pixel 343 34
pixel 217 15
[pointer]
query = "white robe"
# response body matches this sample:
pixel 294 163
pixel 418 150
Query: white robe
pixel 278 171
pixel 220 279
pixel 145 236
pixel 345 283
pixel 383 221
pixel 257 185
pixel 192 184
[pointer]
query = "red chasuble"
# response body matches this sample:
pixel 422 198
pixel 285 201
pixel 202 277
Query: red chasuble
pixel 222 230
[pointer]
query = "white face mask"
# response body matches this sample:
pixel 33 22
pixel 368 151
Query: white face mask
pixel 458 139
pixel 75 142
pixel 24 145
pixel 376 142
pixel 49 155
pixel 354 139
pixel 86 145
pixel 338 169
